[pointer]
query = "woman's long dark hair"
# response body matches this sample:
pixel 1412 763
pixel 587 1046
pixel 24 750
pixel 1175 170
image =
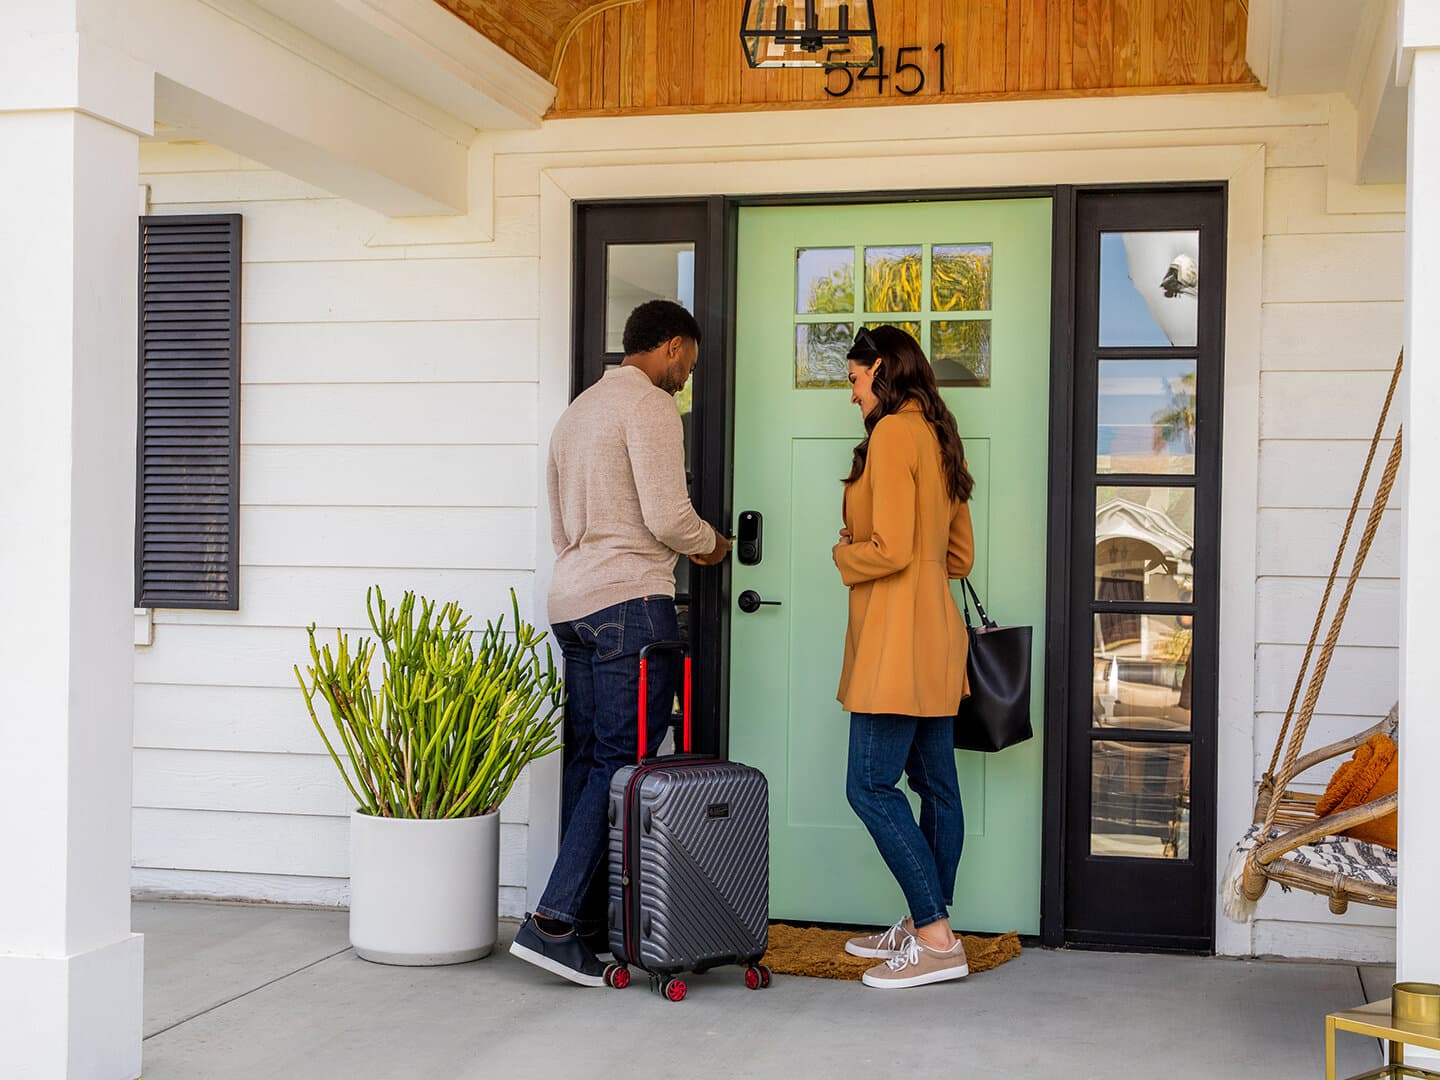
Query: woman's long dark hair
pixel 907 376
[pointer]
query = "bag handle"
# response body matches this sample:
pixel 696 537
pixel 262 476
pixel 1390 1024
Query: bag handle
pixel 661 646
pixel 967 592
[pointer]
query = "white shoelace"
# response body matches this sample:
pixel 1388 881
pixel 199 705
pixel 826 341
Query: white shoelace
pixel 909 954
pixel 894 936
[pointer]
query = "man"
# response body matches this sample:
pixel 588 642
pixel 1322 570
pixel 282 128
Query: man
pixel 620 515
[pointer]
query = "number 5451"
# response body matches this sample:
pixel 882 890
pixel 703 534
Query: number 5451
pixel 905 82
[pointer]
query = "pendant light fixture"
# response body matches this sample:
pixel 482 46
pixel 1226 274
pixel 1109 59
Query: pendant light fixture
pixel 809 33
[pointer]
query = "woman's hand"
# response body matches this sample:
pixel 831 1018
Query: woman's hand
pixel 845 538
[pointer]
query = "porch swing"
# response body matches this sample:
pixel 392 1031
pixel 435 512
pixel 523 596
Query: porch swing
pixel 1291 841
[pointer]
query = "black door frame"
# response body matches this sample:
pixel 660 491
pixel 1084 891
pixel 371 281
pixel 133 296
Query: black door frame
pixel 1121 922
pixel 717 263
pixel 705 223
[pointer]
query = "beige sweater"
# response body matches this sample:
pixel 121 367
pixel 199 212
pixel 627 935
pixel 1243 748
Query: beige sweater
pixel 619 508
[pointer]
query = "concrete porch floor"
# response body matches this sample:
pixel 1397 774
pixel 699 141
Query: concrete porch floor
pixel 260 991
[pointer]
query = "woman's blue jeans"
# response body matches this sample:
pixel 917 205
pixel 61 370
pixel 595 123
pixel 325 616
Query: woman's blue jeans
pixel 924 857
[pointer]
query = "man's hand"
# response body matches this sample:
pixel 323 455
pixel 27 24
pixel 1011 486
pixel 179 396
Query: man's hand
pixel 717 554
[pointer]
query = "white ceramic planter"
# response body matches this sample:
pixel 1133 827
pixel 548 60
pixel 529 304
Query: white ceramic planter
pixel 424 892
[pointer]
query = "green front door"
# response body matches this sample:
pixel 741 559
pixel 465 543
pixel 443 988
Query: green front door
pixel 972 281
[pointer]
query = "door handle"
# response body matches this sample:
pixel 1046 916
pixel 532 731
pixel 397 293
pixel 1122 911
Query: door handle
pixel 750 602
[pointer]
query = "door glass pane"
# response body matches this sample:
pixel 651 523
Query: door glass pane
pixel 892 278
pixel 960 277
pixel 1146 416
pixel 911 328
pixel 960 351
pixel 1145 544
pixel 1149 289
pixel 820 350
pixel 1142 671
pixel 635 273
pixel 1140 800
pixel 824 281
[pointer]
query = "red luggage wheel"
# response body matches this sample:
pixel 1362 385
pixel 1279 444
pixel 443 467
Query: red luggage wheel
pixel 764 976
pixel 753 979
pixel 617 976
pixel 675 990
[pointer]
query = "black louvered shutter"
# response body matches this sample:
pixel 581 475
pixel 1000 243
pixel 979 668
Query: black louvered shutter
pixel 187 540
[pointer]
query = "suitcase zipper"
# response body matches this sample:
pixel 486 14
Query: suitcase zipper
pixel 630 866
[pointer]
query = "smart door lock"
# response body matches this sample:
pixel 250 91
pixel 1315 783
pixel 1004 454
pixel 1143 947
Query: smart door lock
pixel 750 541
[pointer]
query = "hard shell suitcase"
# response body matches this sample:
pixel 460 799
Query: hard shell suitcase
pixel 689 860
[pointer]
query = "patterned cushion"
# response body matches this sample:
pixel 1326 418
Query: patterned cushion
pixel 1342 855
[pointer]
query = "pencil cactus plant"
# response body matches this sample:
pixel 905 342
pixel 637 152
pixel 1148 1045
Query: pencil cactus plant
pixel 454 717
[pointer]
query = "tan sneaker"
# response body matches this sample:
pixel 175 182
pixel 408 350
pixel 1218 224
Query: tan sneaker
pixel 919 965
pixel 886 944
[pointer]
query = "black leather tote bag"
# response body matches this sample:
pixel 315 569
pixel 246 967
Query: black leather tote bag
pixel 997 712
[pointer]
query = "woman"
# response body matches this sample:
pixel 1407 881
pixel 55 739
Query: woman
pixel 907 532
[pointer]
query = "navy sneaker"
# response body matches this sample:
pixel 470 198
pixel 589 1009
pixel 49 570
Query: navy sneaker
pixel 599 944
pixel 566 956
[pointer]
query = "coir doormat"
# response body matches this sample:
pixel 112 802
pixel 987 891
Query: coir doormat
pixel 820 953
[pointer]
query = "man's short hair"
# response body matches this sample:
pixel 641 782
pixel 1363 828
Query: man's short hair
pixel 655 322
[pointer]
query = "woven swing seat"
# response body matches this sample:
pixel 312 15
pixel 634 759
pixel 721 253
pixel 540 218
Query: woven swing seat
pixel 1302 850
pixel 1341 867
pixel 1288 843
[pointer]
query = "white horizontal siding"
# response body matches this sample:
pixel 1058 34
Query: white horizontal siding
pixel 148 883
pixel 391 290
pixel 389 437
pixel 269 720
pixel 475 350
pixel 390 414
pixel 304 784
pixel 1302 542
pixel 1324 405
pixel 1358 678
pixel 1344 336
pixel 295 596
pixel 1353 940
pixel 1285 611
pixel 293 845
pixel 152 884
pixel 1319 473
pixel 1341 267
pixel 439 475
pixel 1331 328
pixel 1325 728
pixel 438 537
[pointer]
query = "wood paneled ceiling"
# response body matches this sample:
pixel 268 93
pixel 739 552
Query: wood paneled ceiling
pixel 527 29
pixel 613 57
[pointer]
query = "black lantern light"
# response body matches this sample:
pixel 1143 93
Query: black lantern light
pixel 809 33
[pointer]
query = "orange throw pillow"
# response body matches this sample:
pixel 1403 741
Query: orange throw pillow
pixel 1372 773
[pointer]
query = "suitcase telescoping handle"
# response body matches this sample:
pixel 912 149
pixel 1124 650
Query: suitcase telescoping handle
pixel 654 647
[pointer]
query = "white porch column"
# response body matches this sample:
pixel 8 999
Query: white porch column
pixel 70 110
pixel 1418 930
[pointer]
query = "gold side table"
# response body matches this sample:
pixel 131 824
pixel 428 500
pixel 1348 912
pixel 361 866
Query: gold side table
pixel 1374 1020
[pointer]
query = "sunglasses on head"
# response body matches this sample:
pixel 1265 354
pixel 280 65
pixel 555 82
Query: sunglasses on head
pixel 864 341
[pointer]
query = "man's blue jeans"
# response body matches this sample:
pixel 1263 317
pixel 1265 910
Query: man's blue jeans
pixel 602 683
pixel 924 857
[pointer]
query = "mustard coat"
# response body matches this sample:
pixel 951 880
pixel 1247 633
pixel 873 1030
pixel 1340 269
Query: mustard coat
pixel 906 646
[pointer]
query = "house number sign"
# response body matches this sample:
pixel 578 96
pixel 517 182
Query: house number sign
pixel 908 77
